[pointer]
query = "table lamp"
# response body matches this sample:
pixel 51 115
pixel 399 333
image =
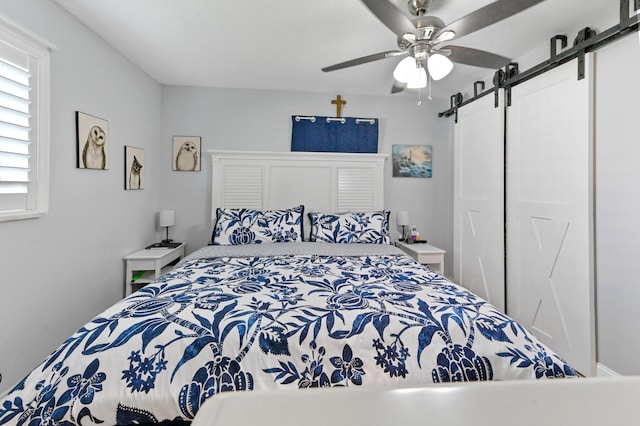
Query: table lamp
pixel 167 219
pixel 403 220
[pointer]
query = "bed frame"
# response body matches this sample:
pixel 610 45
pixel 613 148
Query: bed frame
pixel 323 182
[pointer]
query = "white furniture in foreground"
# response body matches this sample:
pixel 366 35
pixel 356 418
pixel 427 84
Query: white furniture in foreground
pixel 150 262
pixel 567 402
pixel 425 254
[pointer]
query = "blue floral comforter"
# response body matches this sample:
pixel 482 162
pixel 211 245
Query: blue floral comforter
pixel 228 322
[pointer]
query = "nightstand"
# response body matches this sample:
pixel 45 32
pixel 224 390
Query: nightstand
pixel 144 266
pixel 425 254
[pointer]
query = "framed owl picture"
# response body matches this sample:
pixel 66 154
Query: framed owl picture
pixel 133 168
pixel 92 134
pixel 186 153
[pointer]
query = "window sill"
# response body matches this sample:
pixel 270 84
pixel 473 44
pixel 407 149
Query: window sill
pixel 20 215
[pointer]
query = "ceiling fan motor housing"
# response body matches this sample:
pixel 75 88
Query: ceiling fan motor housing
pixel 419 7
pixel 427 27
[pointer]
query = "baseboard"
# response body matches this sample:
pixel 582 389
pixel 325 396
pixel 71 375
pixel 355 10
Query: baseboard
pixel 604 371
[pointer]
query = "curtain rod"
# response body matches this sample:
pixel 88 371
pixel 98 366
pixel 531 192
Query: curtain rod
pixel 342 120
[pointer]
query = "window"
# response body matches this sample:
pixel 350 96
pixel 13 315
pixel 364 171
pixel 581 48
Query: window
pixel 24 123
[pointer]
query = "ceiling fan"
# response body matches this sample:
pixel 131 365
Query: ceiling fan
pixel 422 41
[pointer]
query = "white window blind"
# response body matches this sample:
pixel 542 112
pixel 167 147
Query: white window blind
pixel 24 123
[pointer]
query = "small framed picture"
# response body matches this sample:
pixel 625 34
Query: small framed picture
pixel 92 137
pixel 186 153
pixel 133 168
pixel 412 160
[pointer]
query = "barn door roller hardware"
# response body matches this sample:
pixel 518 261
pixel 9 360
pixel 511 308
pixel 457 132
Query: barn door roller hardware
pixel 454 103
pixel 498 81
pixel 512 72
pixel 586 41
pixel 581 40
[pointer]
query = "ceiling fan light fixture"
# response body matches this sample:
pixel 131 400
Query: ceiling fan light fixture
pixel 418 79
pixel 405 69
pixel 439 66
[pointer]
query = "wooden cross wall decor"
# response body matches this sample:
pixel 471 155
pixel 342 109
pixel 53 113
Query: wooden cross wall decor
pixel 338 102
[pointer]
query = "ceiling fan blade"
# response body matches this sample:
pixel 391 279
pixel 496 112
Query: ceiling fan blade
pixel 487 15
pixel 391 16
pixel 475 57
pixel 398 86
pixel 365 59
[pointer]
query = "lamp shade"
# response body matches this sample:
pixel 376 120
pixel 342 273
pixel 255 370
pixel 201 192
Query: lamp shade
pixel 418 79
pixel 167 218
pixel 404 69
pixel 403 218
pixel 410 72
pixel 439 66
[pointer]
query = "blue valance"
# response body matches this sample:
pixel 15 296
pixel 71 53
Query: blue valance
pixel 334 134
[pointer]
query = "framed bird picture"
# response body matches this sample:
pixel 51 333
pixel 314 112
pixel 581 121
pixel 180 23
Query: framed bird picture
pixel 92 135
pixel 186 153
pixel 133 168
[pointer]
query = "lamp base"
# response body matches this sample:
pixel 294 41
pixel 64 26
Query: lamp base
pixel 167 240
pixel 404 234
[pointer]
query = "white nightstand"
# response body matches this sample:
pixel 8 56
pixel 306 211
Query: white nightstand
pixel 425 254
pixel 149 262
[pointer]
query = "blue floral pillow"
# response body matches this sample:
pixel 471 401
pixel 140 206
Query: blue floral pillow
pixel 249 226
pixel 364 227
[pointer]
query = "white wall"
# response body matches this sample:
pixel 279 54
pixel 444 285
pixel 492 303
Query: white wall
pixel 617 204
pixel 59 271
pixel 261 120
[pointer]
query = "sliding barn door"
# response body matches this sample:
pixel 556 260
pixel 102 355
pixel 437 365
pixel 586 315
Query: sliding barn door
pixel 478 249
pixel 550 277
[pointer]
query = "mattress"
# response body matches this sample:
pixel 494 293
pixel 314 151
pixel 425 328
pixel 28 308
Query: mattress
pixel 272 317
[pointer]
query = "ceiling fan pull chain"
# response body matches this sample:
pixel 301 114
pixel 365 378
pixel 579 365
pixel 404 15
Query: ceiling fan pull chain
pixel 429 84
pixel 419 96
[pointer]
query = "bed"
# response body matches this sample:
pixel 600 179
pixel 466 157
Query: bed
pixel 283 299
pixel 269 317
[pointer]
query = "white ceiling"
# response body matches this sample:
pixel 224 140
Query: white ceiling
pixel 283 44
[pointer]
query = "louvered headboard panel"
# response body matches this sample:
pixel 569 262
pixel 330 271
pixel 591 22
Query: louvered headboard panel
pixel 326 182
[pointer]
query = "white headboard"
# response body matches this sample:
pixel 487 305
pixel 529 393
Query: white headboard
pixel 325 182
